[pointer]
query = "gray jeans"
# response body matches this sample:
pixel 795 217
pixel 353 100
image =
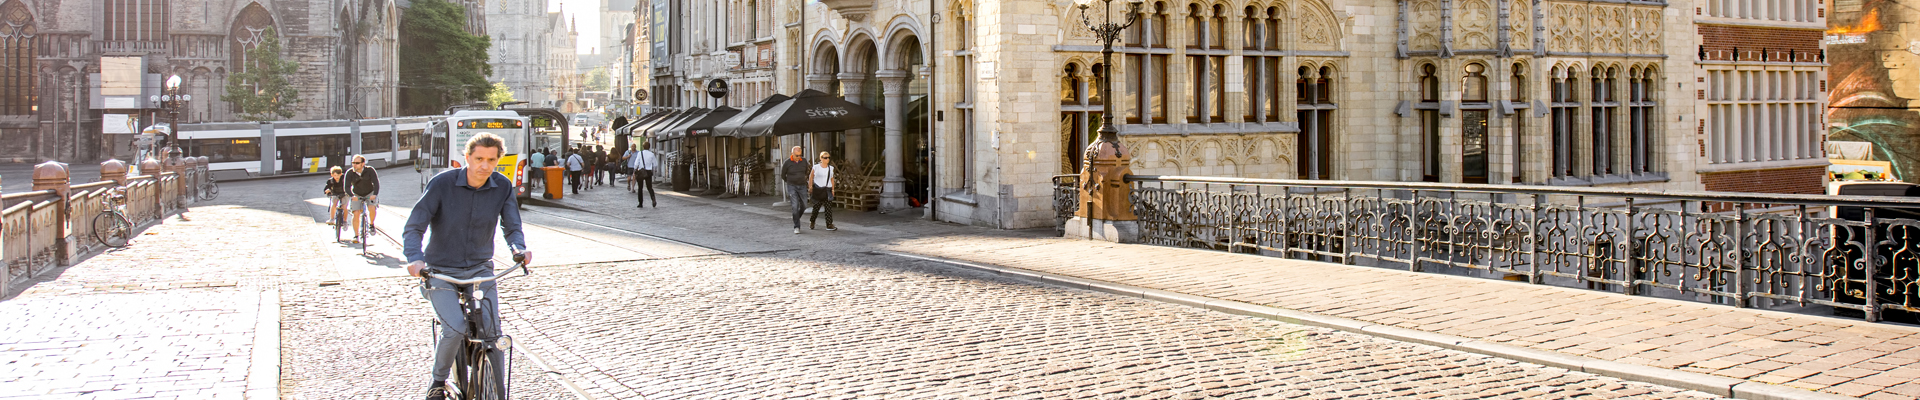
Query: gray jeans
pixel 797 196
pixel 445 298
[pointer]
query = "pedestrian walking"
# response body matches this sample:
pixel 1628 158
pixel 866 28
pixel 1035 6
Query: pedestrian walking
pixel 644 162
pixel 820 189
pixel 574 166
pixel 535 175
pixel 794 173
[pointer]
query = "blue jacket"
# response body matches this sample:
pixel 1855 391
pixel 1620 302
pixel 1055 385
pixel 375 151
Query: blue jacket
pixel 462 219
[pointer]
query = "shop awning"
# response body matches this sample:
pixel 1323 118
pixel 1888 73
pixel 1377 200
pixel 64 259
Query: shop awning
pixel 731 127
pixel 809 111
pixel 703 126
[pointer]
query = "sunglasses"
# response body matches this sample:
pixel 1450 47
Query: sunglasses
pixel 358 163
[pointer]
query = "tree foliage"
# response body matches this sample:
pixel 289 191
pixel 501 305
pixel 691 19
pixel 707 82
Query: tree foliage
pixel 259 88
pixel 501 94
pixel 440 63
pixel 598 80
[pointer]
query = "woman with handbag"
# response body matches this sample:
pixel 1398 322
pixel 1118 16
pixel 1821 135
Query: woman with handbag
pixel 820 189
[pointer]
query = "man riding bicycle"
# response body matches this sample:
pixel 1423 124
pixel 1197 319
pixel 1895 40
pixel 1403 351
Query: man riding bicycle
pixel 363 183
pixel 462 207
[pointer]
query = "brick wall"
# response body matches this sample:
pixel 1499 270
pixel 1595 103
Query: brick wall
pixel 1798 180
pixel 1719 41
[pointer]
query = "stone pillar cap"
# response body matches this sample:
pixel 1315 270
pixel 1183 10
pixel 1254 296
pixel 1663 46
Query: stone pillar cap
pixel 50 170
pixel 113 166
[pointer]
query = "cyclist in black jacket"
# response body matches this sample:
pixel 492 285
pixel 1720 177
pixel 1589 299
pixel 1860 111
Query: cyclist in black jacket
pixel 336 191
pixel 363 183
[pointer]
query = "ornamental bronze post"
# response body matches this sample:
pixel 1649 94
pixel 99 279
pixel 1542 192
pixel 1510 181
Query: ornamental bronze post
pixel 1106 212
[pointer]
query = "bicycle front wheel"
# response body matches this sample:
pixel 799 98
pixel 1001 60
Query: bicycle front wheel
pixel 210 191
pixel 489 381
pixel 112 229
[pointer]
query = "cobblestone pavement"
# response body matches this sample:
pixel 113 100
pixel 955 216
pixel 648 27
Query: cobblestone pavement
pixel 187 343
pixel 1814 352
pixel 837 325
pixel 370 339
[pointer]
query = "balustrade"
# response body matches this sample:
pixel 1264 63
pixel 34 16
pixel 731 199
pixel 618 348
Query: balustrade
pixel 1739 249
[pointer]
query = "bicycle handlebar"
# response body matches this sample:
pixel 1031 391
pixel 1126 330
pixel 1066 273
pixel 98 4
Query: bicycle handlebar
pixel 519 262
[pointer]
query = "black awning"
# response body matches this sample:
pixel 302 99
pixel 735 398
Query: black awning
pixel 809 111
pixel 731 127
pixel 667 131
pixel 703 126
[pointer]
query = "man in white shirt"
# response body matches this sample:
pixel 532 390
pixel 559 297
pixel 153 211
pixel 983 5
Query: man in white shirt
pixel 643 162
pixel 575 165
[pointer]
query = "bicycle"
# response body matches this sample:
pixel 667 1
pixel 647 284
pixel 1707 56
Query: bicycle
pixel 365 229
pixel 338 210
pixel 209 189
pixel 112 228
pixel 474 375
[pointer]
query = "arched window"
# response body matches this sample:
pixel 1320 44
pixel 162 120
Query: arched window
pixel 18 94
pixel 1429 123
pixel 1602 125
pixel 1315 141
pixel 1519 120
pixel 1641 104
pixel 1217 37
pixel 1070 85
pixel 1147 77
pixel 1565 108
pixel 1196 27
pixel 1473 86
pixel 1274 19
pixel 1253 30
pixel 1276 79
pixel 1473 124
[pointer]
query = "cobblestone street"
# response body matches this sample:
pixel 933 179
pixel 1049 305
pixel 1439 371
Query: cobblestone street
pixel 689 300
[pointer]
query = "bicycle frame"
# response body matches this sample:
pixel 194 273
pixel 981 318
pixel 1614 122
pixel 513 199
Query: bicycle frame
pixel 484 339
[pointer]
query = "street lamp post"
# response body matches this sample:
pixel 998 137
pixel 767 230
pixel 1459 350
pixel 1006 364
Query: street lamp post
pixel 1108 32
pixel 171 100
pixel 1106 212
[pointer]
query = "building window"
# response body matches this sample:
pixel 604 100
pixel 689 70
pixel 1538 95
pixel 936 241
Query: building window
pixel 1473 124
pixel 1217 30
pixel 18 92
pixel 965 110
pixel 135 20
pixel 1564 110
pixel 1208 100
pixel 1147 73
pixel 1081 118
pixel 1640 105
pixel 1315 141
pixel 1758 116
pixel 1519 126
pixel 1603 105
pixel 1429 123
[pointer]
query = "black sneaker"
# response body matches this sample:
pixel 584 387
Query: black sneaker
pixel 437 393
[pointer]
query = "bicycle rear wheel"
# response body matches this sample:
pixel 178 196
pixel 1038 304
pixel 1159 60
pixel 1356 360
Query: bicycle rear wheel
pixel 210 191
pixel 112 229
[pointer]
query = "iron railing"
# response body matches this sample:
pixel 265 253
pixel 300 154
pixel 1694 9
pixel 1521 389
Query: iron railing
pixel 1742 249
pixel 1066 200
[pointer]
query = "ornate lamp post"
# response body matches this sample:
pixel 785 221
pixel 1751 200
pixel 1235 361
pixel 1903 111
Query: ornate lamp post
pixel 171 100
pixel 1105 212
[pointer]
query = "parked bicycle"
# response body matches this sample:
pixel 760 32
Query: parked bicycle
pixel 112 227
pixel 475 375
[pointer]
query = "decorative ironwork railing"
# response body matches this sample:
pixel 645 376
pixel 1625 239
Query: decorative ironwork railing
pixel 1740 249
pixel 1066 200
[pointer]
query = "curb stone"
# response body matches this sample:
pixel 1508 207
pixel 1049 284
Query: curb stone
pixel 1715 385
pixel 263 374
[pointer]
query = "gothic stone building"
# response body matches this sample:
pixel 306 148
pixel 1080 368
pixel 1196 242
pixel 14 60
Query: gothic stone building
pixel 52 52
pixel 1665 95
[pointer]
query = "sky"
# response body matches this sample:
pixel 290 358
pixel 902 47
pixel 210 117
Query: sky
pixel 587 13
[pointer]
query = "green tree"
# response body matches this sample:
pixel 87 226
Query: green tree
pixel 598 81
pixel 501 94
pixel 260 88
pixel 440 63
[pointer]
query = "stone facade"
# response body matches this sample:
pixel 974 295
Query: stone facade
pixel 346 52
pixel 1638 94
pixel 1614 94
pixel 563 58
pixel 520 33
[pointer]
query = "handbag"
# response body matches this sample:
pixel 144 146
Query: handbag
pixel 822 193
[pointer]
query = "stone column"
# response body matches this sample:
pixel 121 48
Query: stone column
pixel 52 175
pixel 852 90
pixel 893 188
